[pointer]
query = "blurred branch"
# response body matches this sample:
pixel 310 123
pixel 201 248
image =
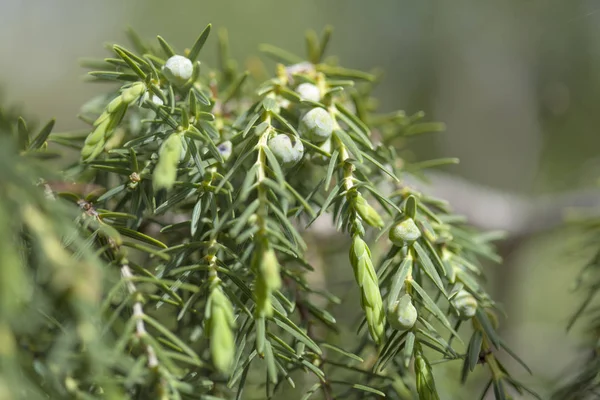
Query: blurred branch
pixel 492 209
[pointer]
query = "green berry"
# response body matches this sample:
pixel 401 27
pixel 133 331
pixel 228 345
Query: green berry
pixel 465 303
pixel 308 91
pixel 178 70
pixel 287 149
pixel 316 125
pixel 405 232
pixel 402 314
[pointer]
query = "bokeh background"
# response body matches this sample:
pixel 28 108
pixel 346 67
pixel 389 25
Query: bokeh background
pixel 516 82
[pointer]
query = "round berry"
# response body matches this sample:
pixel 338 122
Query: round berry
pixel 402 314
pixel 178 70
pixel 287 149
pixel 308 91
pixel 465 303
pixel 316 125
pixel 225 149
pixel 404 232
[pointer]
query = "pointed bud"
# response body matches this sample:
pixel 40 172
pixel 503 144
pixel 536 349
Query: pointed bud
pixel 268 280
pixel 425 383
pixel 132 93
pixel 269 269
pixel 366 212
pixel 106 123
pixel 220 326
pixel 114 105
pixel 165 173
pixel 366 277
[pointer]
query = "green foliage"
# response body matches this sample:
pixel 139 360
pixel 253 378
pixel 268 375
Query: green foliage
pixel 584 383
pixel 185 270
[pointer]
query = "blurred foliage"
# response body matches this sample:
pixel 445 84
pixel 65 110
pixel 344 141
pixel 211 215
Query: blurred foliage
pixel 583 381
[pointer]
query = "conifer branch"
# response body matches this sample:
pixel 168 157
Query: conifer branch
pixel 198 184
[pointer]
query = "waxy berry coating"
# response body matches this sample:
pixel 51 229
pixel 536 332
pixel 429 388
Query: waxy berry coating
pixel 316 125
pixel 287 149
pixel 178 70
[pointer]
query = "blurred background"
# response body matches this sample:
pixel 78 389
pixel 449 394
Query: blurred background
pixel 516 82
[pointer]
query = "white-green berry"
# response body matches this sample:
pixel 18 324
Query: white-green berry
pixel 287 149
pixel 308 91
pixel 225 149
pixel 402 314
pixel 157 100
pixel 178 70
pixel 316 125
pixel 465 303
pixel 153 98
pixel 283 103
pixel 405 232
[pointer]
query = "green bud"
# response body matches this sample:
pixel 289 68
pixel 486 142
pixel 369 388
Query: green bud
pixel 220 326
pixel 425 383
pixel 98 134
pixel 288 149
pixel 114 105
pixel 449 264
pixel 269 270
pixel 268 279
pixel 366 212
pixel 94 143
pixel 178 70
pixel 402 314
pixel 106 123
pixel 132 93
pixel 103 119
pixel 165 173
pixel 405 232
pixel 366 277
pixel 308 91
pixel 465 303
pixel 316 125
pixel 104 127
